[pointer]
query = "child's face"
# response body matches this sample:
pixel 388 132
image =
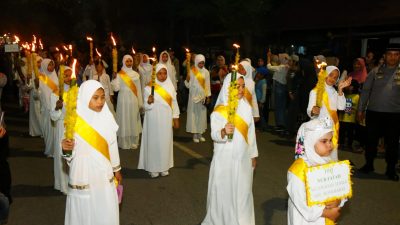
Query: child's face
pixel 67 76
pixel 164 57
pixel 241 70
pixel 99 69
pixel 162 75
pixel 50 67
pixel 200 64
pixel 128 62
pixel 98 100
pixel 324 146
pixel 332 78
pixel 356 66
pixel 145 59
pixel 241 87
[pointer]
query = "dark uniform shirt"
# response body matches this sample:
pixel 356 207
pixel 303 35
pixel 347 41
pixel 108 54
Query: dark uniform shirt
pixel 381 91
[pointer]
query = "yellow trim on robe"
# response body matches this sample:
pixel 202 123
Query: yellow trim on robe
pixel 335 118
pixel 240 124
pixel 92 137
pixel 298 168
pixel 49 83
pixel 128 82
pixel 199 78
pixel 163 93
pixel 248 96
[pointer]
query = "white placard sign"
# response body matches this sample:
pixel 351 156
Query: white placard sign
pixel 11 48
pixel 328 182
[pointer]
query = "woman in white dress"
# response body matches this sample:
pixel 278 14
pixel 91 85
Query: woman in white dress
pixel 161 112
pixel 101 76
pixel 165 59
pixel 230 197
pixel 198 83
pixel 94 164
pixel 129 104
pixel 145 70
pixel 35 127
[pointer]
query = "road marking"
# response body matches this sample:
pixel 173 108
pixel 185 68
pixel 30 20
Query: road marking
pixel 191 153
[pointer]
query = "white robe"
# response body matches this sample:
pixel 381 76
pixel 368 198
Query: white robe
pixel 196 122
pixel 145 72
pixel 60 168
pixel 128 114
pixel 230 198
pixel 47 124
pixel 98 204
pixel 35 126
pixel 156 150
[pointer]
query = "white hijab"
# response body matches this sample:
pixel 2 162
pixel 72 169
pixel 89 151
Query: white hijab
pixel 103 121
pixel 197 59
pixel 249 69
pixel 128 70
pixel 223 96
pixel 43 70
pixel 145 66
pixel 167 84
pixel 308 135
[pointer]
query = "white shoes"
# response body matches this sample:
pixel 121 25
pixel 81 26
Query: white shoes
pixel 134 146
pixel 202 139
pixel 154 175
pixel 165 173
pixel 196 140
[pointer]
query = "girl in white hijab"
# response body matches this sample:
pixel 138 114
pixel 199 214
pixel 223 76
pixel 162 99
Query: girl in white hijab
pixel 94 162
pixel 230 197
pixel 156 150
pixel 145 70
pixel 47 71
pixel 129 104
pixel 165 59
pixel 35 125
pixel 313 147
pixel 199 93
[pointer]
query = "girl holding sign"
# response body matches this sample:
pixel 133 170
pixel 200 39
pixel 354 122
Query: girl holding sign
pixel 314 147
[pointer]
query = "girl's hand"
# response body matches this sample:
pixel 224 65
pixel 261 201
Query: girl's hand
pixel 68 144
pixel 2 131
pixel 176 123
pixel 254 162
pixel 150 100
pixel 118 176
pixel 332 213
pixel 315 111
pixel 344 84
pixel 228 129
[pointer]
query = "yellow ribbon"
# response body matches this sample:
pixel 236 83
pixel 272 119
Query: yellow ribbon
pixel 92 137
pixel 128 82
pixel 248 96
pixel 49 83
pixel 199 78
pixel 298 168
pixel 163 94
pixel 335 118
pixel 240 124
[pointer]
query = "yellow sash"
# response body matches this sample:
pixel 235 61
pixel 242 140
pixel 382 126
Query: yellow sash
pixel 128 82
pixel 298 168
pixel 92 137
pixel 248 96
pixel 240 124
pixel 49 82
pixel 163 94
pixel 335 118
pixel 199 78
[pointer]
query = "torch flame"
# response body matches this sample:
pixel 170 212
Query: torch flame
pixel 70 47
pixel 321 65
pixel 61 57
pixel 89 38
pixel 152 59
pixel 16 39
pixel 40 43
pixel 98 53
pixel 33 47
pixel 57 49
pixel 236 45
pixel 187 50
pixel 73 70
pixel 154 49
pixel 65 48
pixel 133 51
pixel 113 40
pixel 34 39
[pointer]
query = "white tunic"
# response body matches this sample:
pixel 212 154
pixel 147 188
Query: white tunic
pixel 196 111
pixel 128 114
pixel 145 72
pixel 156 150
pixel 60 167
pixel 35 127
pixel 230 198
pixel 47 124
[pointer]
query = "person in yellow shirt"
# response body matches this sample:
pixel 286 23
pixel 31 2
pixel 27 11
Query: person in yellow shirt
pixel 347 117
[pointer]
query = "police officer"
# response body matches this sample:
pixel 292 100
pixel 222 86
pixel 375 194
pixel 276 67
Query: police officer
pixel 380 106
